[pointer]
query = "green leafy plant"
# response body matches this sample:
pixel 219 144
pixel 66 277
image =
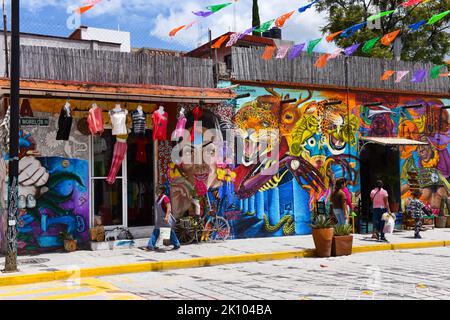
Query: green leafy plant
pixel 342 230
pixel 321 222
pixel 64 235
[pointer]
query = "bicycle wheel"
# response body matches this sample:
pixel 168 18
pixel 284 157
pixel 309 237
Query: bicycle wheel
pixel 220 229
pixel 185 231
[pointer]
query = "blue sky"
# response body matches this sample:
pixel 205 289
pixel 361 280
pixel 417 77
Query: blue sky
pixel 150 21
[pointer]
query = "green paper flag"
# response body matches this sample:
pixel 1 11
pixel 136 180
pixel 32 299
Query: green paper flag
pixel 379 15
pixel 265 26
pixel 312 44
pixel 438 17
pixel 435 71
pixel 218 7
pixel 370 44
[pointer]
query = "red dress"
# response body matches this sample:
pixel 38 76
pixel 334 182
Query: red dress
pixel 160 125
pixel 141 153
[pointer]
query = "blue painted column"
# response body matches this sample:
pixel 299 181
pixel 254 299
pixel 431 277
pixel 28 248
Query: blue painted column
pixel 260 205
pixel 251 204
pixel 302 215
pixel 274 206
pixel 241 204
pixel 245 209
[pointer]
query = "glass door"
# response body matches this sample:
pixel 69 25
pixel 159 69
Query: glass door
pixel 108 202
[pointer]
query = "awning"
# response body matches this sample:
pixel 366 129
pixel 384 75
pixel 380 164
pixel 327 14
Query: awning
pixel 393 141
pixel 46 89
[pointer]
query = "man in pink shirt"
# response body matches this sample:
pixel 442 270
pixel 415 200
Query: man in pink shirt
pixel 380 205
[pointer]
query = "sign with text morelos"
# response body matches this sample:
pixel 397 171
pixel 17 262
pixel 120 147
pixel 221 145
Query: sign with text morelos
pixel 35 122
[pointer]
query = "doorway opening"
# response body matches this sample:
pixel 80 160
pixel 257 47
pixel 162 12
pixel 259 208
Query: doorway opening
pixel 380 162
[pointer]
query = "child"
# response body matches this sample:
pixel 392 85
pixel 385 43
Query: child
pixel 417 209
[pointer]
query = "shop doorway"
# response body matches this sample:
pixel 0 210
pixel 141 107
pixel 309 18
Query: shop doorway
pixel 129 202
pixel 380 162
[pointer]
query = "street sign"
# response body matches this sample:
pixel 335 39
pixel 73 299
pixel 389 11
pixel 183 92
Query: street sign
pixel 36 122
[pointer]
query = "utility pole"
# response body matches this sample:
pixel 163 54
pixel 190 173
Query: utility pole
pixel 5 31
pixel 13 162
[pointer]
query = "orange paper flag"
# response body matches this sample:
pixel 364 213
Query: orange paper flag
pixel 282 19
pixel 388 38
pixel 218 43
pixel 82 10
pixel 322 61
pixel 268 52
pixel 174 31
pixel 444 74
pixel 387 75
pixel 333 35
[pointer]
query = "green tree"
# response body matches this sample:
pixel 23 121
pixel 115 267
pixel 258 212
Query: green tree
pixel 255 17
pixel 431 43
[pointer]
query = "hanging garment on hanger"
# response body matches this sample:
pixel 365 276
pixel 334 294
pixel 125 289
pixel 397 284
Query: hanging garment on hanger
pixel 160 125
pixel 197 112
pixel 120 150
pixel 64 124
pixel 119 122
pixel 141 152
pixel 139 120
pixel 95 121
pixel 181 126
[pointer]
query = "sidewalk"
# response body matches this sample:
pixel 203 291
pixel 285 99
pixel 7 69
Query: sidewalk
pixel 57 266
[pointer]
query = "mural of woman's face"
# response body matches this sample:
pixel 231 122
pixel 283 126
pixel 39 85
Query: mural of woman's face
pixel 199 160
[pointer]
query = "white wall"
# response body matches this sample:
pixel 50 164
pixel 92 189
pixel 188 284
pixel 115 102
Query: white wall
pixel 106 35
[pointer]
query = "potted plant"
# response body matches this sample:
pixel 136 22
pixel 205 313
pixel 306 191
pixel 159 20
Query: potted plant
pixel 70 244
pixel 322 232
pixel 342 240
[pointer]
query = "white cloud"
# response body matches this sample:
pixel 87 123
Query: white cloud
pixel 164 15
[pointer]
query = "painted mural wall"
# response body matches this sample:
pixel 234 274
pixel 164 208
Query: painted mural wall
pixel 53 181
pixel 318 136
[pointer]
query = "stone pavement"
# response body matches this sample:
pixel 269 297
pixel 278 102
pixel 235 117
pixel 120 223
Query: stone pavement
pixel 91 259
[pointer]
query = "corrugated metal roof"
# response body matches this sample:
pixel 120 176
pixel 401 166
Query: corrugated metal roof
pixel 393 141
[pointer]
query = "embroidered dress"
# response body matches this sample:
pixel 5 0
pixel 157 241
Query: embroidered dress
pixel 118 122
pixel 64 124
pixel 139 120
pixel 181 126
pixel 160 125
pixel 95 121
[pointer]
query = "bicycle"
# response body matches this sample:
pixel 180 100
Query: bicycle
pixel 210 227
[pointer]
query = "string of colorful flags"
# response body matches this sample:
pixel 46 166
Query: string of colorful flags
pixel 418 76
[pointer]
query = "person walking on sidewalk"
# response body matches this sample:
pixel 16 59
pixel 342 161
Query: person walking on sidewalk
pixel 417 209
pixel 340 207
pixel 164 219
pixel 380 205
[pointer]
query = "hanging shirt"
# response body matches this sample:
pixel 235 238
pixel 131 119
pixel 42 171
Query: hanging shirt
pixel 95 121
pixel 160 125
pixel 118 122
pixel 181 125
pixel 64 124
pixel 139 120
pixel 141 152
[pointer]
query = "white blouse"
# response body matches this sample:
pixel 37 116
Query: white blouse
pixel 119 122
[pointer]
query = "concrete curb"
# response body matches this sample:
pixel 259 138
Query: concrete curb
pixel 18 279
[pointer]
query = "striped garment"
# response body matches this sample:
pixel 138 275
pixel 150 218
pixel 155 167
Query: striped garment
pixel 139 120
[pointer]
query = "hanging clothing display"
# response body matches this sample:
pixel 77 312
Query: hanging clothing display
pixel 160 125
pixel 181 126
pixel 118 121
pixel 64 123
pixel 95 120
pixel 120 150
pixel 197 115
pixel 139 120
pixel 141 152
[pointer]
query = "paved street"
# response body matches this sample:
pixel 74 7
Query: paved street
pixel 404 274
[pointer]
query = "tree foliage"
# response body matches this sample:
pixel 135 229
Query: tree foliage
pixel 431 43
pixel 255 17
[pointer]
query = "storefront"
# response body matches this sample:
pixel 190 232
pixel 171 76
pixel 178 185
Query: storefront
pixel 72 175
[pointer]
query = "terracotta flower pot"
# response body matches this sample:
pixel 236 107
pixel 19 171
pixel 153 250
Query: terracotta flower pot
pixel 323 239
pixel 342 246
pixel 70 245
pixel 440 221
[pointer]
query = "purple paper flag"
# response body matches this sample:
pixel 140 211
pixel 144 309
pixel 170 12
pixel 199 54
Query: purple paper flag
pixel 282 51
pixel 419 75
pixel 350 50
pixel 203 14
pixel 246 32
pixel 295 52
pixel 400 76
